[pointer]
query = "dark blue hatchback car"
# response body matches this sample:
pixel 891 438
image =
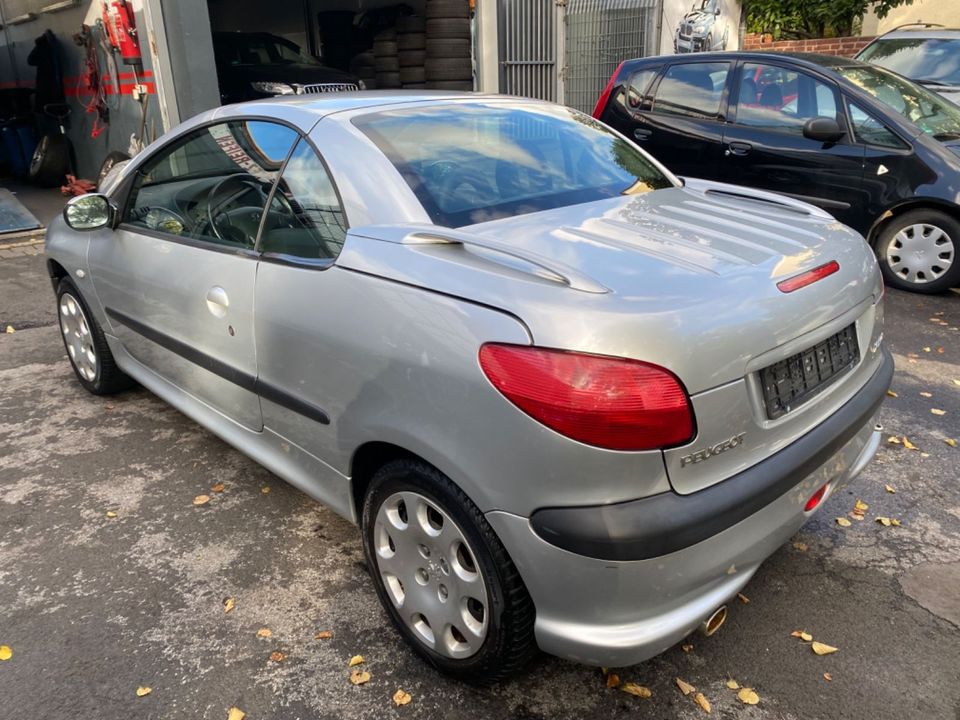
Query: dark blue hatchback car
pixel 879 152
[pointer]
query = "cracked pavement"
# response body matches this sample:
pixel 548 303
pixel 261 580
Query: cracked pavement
pixel 94 607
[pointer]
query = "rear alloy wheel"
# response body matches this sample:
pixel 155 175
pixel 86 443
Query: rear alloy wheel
pixel 918 251
pixel 443 576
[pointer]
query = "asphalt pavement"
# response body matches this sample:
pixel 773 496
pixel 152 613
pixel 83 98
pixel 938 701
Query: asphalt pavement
pixel 94 607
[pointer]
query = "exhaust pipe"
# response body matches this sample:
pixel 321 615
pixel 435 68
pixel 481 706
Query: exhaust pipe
pixel 709 626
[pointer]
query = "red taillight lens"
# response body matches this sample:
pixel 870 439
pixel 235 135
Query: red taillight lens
pixel 809 277
pixel 604 401
pixel 605 95
pixel 815 498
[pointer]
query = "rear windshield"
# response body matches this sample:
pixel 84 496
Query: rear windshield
pixel 935 61
pixel 472 162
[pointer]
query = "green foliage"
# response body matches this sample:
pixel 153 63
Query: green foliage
pixel 799 19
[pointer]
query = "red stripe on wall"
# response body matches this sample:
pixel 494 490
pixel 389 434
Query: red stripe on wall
pixel 125 89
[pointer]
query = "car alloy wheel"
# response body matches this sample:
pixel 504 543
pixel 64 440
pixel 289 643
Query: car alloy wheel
pixel 920 253
pixel 431 575
pixel 78 338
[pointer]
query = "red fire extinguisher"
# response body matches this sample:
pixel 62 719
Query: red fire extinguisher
pixel 122 28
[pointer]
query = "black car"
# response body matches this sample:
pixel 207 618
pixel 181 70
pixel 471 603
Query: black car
pixel 927 54
pixel 879 152
pixel 253 65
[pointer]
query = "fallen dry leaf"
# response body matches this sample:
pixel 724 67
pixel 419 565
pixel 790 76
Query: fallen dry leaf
pixel 686 647
pixel 9 330
pixel 822 649
pixel 743 598
pixel 264 632
pixel 277 656
pixel 5 652
pixel 938 411
pixel 748 697
pixel 613 680
pixel 639 690
pixel 957 383
pixel 685 687
pixel 802 634
pixel 828 677
pixel 855 515
pixel 703 702
pixel 111 514
pixel 889 489
pixel 800 546
pixel 924 393
pixel 894 522
pixel 894 440
pixel 228 604
pixel 141 691
pixel 924 455
pixel 940 350
pixel 843 522
pixel 401 697
pixel 950 441
pixel 265 489
pixel 891 393
pixel 359 677
pixel 355 660
pixel 219 487
pixel 201 500
pixel 926 349
pixel 907 444
pixel 733 684
pixel 860 506
pixel 235 713
pixel 323 635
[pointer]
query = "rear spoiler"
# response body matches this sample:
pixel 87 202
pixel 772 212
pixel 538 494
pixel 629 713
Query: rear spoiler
pixel 709 187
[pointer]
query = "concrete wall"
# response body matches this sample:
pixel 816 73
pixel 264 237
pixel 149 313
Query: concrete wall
pixel 943 12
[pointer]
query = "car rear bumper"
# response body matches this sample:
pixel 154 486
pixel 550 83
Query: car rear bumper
pixel 616 612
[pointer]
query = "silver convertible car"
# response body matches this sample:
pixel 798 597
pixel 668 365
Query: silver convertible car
pixel 572 400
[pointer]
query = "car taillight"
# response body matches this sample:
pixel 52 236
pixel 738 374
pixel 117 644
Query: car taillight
pixel 809 277
pixel 816 498
pixel 605 95
pixel 609 402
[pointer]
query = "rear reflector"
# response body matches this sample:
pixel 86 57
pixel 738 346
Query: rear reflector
pixel 815 498
pixel 809 277
pixel 605 95
pixel 608 402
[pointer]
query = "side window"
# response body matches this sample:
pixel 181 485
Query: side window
pixel 781 99
pixel 632 95
pixel 305 219
pixel 692 89
pixel 870 131
pixel 213 184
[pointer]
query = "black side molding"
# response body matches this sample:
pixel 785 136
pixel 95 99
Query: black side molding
pixel 224 370
pixel 662 524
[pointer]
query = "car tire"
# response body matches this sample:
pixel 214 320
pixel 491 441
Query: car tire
pixel 411 58
pixel 86 345
pixel 411 41
pixel 51 161
pixel 388 80
pixel 412 75
pixel 447 48
pixel 462 85
pixel 112 158
pixel 410 24
pixel 387 64
pixel 448 28
pixel 449 69
pixel 932 239
pixel 384 48
pixel 436 9
pixel 484 639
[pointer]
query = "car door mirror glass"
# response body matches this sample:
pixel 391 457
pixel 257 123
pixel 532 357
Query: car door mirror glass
pixel 822 129
pixel 88 212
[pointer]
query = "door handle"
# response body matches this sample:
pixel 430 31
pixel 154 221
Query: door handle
pixel 738 148
pixel 642 133
pixel 217 301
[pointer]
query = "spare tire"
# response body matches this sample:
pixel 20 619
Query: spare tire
pixel 384 48
pixel 448 48
pixel 447 9
pixel 109 162
pixel 411 58
pixel 410 24
pixel 466 85
pixel 51 161
pixel 387 64
pixel 449 69
pixel 412 75
pixel 411 41
pixel 387 80
pixel 448 28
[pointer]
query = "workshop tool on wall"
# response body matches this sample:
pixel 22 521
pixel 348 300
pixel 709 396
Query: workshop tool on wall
pixel 92 79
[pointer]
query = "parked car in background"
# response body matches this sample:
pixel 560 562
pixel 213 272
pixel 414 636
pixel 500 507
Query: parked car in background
pixel 252 65
pixel 701 30
pixel 927 54
pixel 571 402
pixel 877 151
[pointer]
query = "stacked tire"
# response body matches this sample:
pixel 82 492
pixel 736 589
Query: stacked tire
pixel 411 52
pixel 363 66
pixel 385 62
pixel 449 65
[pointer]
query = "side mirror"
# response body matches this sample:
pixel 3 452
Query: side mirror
pixel 823 129
pixel 88 212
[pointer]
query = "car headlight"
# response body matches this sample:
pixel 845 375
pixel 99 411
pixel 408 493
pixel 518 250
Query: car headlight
pixel 699 28
pixel 273 88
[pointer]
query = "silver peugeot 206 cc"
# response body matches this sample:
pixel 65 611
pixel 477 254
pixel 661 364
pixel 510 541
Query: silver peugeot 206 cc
pixel 572 400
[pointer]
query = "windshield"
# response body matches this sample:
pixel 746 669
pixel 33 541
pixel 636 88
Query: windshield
pixel 709 6
pixel 930 112
pixel 931 60
pixel 469 163
pixel 257 49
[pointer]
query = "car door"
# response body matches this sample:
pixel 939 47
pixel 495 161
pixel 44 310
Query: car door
pixel 176 278
pixel 682 126
pixel 764 144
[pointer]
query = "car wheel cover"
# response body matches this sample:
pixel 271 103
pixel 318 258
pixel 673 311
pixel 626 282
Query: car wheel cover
pixel 920 253
pixel 431 575
pixel 78 338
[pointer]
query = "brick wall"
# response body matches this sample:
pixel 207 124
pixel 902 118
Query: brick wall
pixel 846 46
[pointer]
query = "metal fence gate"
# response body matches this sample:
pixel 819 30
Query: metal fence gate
pixel 566 50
